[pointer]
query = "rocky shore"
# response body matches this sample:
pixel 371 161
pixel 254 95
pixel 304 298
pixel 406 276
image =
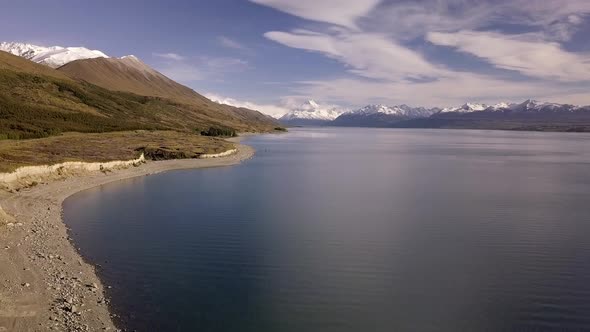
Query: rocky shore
pixel 46 285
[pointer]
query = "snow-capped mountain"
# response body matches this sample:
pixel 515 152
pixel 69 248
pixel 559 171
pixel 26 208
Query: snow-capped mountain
pixel 54 56
pixel 465 108
pixel 469 115
pixel 382 115
pixel 398 110
pixel 526 106
pixel 311 113
pixel 536 106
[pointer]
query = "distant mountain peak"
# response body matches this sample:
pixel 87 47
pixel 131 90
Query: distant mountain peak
pixel 53 56
pixel 312 103
pixel 311 112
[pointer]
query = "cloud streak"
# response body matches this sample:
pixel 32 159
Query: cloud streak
pixel 187 69
pixel 366 55
pixel 526 54
pixel 275 111
pixel 338 12
pixel 169 56
pixel 232 44
pixel 382 63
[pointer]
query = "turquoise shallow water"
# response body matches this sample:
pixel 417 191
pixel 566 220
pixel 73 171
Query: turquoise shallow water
pixel 353 230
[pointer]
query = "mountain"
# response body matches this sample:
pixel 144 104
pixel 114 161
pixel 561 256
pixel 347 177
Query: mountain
pixel 526 106
pixel 310 113
pixel 381 115
pixel 38 101
pixel 129 74
pixel 54 56
pixel 540 107
pixel 465 108
pixel 528 115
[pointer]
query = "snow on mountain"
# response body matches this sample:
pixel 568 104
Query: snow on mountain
pixel 398 110
pixel 536 106
pixel 311 111
pixel 382 115
pixel 373 109
pixel 54 56
pixel 465 108
pixel 526 106
pixel 498 107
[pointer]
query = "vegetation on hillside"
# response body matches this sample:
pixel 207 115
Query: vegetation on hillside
pixel 36 102
pixel 104 147
pixel 223 132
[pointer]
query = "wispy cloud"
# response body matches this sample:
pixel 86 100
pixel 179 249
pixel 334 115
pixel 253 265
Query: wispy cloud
pixel 382 43
pixel 186 69
pixel 339 12
pixel 523 53
pixel 365 54
pixel 231 43
pixel 275 111
pixel 169 56
pixel 448 91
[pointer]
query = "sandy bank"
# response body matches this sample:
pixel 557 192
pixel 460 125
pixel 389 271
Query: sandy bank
pixel 46 285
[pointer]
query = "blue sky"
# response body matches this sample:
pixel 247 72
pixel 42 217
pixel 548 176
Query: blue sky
pixel 272 54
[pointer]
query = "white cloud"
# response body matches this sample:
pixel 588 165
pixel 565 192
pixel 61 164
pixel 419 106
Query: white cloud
pixel 169 56
pixel 275 111
pixel 367 55
pixel 373 45
pixel 224 64
pixel 182 72
pixel 231 43
pixel 339 12
pixel 190 69
pixel 523 53
pixel 407 19
pixel 449 91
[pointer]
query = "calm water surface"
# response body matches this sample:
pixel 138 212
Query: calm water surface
pixel 353 230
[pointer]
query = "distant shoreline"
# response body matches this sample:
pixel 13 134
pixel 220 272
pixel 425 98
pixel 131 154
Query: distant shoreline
pixel 47 282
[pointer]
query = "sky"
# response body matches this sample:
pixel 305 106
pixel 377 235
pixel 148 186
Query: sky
pixel 272 55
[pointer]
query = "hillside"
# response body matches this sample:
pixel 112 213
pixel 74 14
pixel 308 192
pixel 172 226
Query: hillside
pixel 129 74
pixel 37 101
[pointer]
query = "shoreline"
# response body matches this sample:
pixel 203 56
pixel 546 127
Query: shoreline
pixel 46 283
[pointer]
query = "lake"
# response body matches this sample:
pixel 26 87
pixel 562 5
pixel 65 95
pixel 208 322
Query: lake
pixel 330 229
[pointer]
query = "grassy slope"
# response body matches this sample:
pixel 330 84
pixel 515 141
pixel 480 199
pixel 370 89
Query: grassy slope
pixel 106 147
pixel 136 77
pixel 37 101
pixel 129 76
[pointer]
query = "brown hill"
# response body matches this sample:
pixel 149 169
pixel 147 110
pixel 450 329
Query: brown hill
pixel 37 101
pixel 128 74
pixel 9 62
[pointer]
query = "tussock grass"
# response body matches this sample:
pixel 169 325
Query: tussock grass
pixel 105 147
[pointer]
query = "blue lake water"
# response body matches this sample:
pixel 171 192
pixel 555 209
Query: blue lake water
pixel 353 230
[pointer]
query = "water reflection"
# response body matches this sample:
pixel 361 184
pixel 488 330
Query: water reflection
pixel 350 230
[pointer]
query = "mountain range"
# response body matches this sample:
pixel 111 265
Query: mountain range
pixel 312 114
pixel 528 115
pixel 95 93
pixel 54 56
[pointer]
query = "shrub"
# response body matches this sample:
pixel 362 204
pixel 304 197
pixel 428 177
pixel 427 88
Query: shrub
pixel 216 131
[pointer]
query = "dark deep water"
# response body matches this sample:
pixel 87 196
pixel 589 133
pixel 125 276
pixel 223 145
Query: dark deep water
pixel 353 230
